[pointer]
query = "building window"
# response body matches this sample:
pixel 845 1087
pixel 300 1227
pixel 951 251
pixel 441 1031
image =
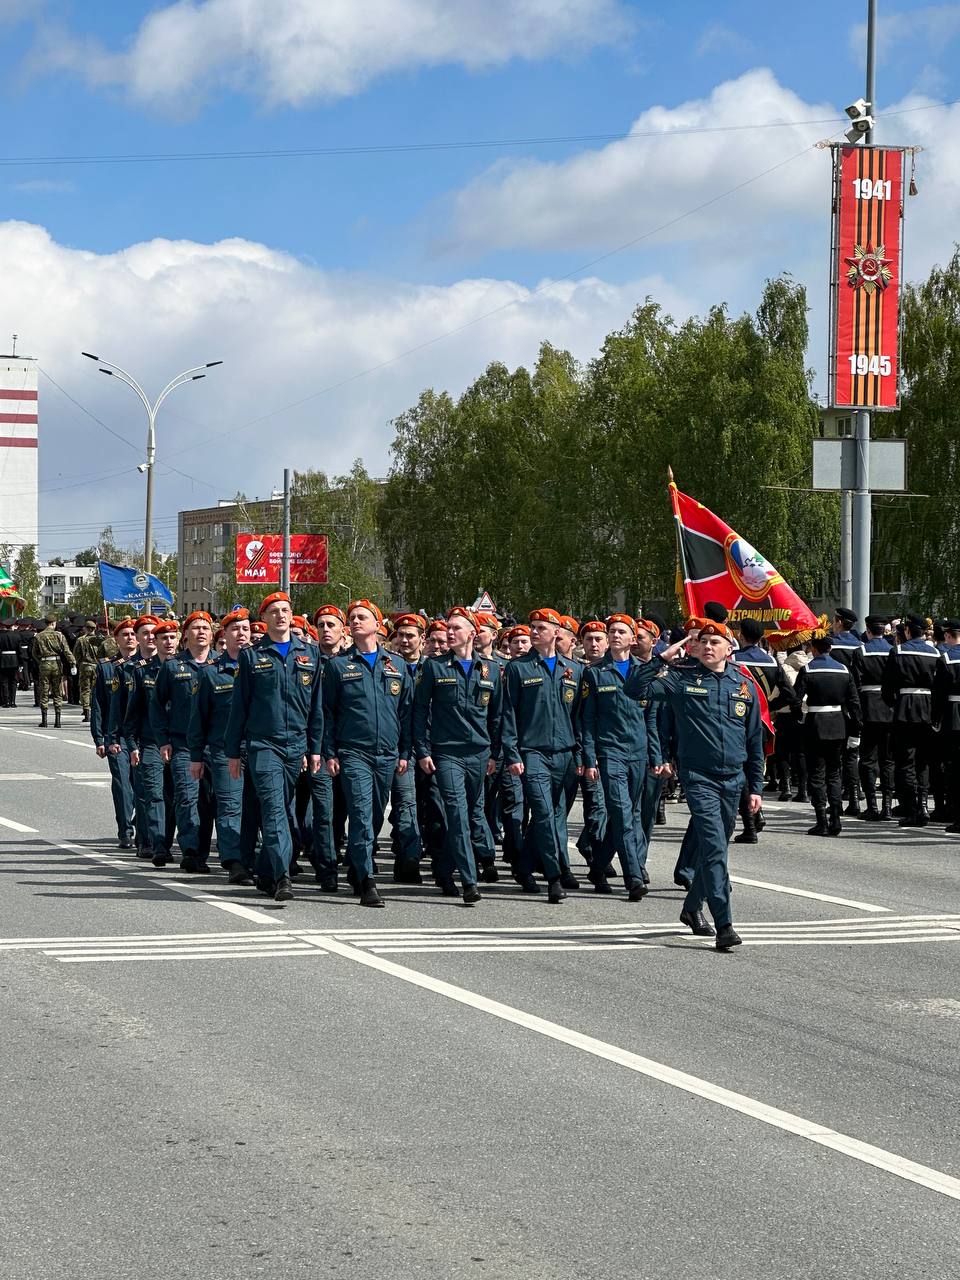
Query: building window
pixel 76 582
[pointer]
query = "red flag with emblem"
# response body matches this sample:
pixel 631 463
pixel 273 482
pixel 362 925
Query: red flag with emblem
pixel 716 563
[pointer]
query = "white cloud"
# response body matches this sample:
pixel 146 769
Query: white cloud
pixel 291 51
pixel 716 37
pixel 934 26
pixel 44 187
pixel 601 198
pixel 284 330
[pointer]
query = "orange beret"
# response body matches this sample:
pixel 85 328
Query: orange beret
pixel 258 628
pixel 625 619
pixel 487 620
pixel 569 624
pixel 435 625
pixel 312 632
pixel 521 629
pixel 274 596
pixel 410 620
pixel 298 620
pixel 546 615
pixel 329 610
pixel 594 625
pixel 167 625
pixel 712 628
pixel 646 625
pixel 382 630
pixel 365 604
pixel 461 611
pixel 124 622
pixel 145 620
pixel 197 615
pixel 238 615
pixel 694 623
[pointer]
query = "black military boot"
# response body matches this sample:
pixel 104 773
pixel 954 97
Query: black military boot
pixel 749 833
pixel 86 715
pixel 853 803
pixel 834 826
pixel 56 717
pixel 43 718
pixel 661 819
pixel 820 828
pixel 922 816
pixel 872 813
pixel 886 809
pixel 783 779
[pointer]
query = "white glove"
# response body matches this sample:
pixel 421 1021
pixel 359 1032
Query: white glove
pixel 853 742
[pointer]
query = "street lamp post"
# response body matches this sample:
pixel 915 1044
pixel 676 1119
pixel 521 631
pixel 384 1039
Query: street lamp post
pixel 188 375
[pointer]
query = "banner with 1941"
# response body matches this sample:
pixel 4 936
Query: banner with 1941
pixel 865 277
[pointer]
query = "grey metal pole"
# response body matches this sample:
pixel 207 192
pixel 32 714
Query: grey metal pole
pixel 862 498
pixel 285 564
pixel 151 455
pixel 846 548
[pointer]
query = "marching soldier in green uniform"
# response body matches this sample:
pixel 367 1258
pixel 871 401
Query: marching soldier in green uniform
pixel 86 655
pixel 53 659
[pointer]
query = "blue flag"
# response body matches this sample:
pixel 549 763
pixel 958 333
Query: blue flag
pixel 130 586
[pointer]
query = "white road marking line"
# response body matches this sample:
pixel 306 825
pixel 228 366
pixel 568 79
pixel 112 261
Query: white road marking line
pixel 24 777
pixel 266 953
pixel 910 1171
pixel 31 733
pixel 74 743
pixel 17 826
pixel 80 777
pixel 153 939
pixel 807 893
pixel 233 908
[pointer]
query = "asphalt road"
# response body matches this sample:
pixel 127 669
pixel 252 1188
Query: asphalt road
pixel 199 1084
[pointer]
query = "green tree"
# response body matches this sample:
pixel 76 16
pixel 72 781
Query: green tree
pixel 26 575
pixel 926 530
pixel 86 557
pixel 87 599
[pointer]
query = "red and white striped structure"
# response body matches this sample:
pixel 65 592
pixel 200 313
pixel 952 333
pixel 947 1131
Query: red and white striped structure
pixel 19 421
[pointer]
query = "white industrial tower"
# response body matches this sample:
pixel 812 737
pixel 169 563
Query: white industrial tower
pixel 18 450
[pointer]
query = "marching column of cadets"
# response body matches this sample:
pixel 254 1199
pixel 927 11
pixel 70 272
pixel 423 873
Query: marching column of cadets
pixel 473 733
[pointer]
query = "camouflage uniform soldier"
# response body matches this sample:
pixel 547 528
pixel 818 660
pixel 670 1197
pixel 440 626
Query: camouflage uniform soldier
pixel 52 655
pixel 86 653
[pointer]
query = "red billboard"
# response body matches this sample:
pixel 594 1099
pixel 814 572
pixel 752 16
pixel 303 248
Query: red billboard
pixel 865 277
pixel 259 556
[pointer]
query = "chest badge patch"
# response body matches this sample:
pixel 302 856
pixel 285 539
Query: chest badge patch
pixel 568 694
pixel 303 657
pixel 394 686
pixel 740 708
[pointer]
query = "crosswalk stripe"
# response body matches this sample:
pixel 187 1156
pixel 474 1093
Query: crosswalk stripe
pixel 216 954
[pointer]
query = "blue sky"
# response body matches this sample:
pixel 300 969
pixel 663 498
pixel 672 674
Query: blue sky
pixel 300 272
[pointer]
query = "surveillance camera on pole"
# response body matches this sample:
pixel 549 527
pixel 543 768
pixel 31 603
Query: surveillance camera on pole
pixel 863 122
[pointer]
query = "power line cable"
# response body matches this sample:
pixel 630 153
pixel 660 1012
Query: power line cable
pixel 292 153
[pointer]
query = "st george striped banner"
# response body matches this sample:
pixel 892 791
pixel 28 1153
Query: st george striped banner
pixel 865 277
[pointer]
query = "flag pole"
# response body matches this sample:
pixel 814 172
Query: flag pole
pixel 681 562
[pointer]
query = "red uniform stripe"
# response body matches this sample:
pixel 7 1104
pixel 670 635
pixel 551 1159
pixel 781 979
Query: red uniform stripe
pixel 17 395
pixel 18 442
pixel 26 418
